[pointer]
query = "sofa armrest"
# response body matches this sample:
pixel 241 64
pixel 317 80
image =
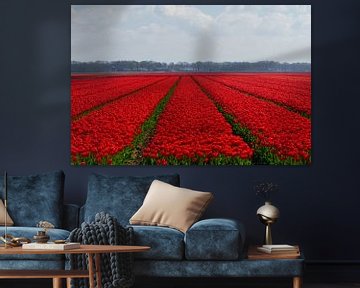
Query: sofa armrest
pixel 215 239
pixel 71 216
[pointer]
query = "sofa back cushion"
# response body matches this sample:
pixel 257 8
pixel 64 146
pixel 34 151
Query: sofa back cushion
pixel 36 198
pixel 119 196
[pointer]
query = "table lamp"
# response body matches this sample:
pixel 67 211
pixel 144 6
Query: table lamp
pixel 268 214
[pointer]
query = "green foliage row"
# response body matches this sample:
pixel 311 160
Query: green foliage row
pixel 198 160
pixel 132 155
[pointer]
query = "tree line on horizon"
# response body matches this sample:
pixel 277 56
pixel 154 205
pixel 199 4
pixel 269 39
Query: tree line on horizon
pixel 200 66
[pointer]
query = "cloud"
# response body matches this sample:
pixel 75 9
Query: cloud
pixel 188 15
pixel 296 55
pixel 152 42
pixel 96 18
pixel 265 32
pixel 172 33
pixel 94 30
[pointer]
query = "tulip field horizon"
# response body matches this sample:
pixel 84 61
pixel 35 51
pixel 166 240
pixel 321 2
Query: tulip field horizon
pixel 191 119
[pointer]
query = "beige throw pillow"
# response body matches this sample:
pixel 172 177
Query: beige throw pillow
pixel 170 206
pixel 9 221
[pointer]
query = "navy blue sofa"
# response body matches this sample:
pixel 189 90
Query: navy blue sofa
pixel 32 199
pixel 210 248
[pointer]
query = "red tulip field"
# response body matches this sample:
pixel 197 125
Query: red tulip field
pixel 191 119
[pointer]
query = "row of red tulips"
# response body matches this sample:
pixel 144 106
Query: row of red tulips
pixel 288 91
pixel 192 131
pixel 292 80
pixel 93 91
pixel 101 134
pixel 286 133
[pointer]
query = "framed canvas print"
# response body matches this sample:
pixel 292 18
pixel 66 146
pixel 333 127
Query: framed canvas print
pixel 191 85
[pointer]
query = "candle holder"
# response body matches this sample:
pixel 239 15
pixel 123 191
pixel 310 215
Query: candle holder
pixel 42 236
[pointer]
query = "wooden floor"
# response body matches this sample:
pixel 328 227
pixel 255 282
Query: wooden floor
pixel 253 283
pixel 339 285
pixel 45 283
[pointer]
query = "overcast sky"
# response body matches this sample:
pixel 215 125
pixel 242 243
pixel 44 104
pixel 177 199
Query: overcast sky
pixel 173 33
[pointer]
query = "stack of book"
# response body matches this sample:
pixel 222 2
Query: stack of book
pixel 279 249
pixel 274 252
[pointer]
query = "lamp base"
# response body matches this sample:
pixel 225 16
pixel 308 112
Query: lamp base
pixel 268 237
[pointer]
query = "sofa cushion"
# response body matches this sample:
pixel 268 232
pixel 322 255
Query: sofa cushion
pixel 9 221
pixel 170 206
pixel 29 232
pixel 165 243
pixel 35 198
pixel 214 239
pixel 121 197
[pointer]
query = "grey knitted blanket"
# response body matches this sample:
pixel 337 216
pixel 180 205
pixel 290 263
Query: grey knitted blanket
pixel 116 268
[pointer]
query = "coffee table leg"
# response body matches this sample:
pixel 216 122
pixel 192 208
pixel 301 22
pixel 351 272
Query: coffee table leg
pixel 91 270
pixel 68 282
pixel 98 270
pixel 297 282
pixel 57 283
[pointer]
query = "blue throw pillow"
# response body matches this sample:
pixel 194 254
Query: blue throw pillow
pixel 35 198
pixel 121 197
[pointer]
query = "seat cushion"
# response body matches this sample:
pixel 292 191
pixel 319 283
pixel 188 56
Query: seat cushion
pixel 121 197
pixel 165 243
pixel 36 198
pixel 214 239
pixel 29 232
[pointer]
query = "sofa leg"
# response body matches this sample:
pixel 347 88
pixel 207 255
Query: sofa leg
pixel 57 283
pixel 297 282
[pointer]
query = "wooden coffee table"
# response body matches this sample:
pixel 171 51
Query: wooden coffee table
pixel 92 251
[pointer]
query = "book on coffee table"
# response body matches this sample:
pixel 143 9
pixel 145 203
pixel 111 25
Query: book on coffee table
pixel 51 246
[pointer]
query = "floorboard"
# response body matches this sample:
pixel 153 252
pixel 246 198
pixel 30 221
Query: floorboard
pixel 46 283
